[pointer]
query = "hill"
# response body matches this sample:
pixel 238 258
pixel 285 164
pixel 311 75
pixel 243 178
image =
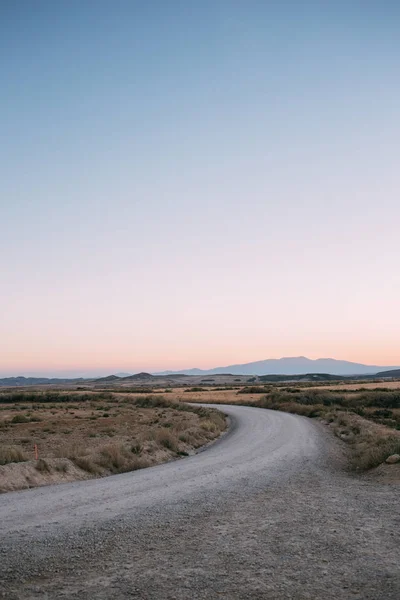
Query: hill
pixel 306 377
pixel 299 365
pixel 108 378
pixel 395 373
pixel 138 377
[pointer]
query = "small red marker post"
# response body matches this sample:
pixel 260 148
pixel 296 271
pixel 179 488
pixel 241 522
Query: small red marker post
pixel 35 448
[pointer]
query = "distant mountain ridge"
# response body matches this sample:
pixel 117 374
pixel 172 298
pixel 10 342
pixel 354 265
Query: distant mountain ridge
pixel 273 369
pixel 299 365
pixel 394 373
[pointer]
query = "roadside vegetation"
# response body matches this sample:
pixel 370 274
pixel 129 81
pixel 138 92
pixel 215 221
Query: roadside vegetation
pixel 368 420
pixel 380 406
pixel 52 436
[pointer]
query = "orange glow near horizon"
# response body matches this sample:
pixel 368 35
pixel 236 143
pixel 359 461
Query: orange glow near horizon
pixel 159 363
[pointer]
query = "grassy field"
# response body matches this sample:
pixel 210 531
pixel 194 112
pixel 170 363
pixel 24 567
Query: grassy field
pixel 83 435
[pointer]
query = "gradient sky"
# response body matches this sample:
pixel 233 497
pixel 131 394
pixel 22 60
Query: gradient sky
pixel 191 183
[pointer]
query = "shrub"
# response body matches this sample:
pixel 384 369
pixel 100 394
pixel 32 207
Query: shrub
pixel 62 467
pixel 113 457
pixel 165 438
pixel 208 425
pixel 42 466
pixel 118 459
pixel 20 419
pixel 136 448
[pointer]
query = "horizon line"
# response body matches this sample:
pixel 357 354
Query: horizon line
pixel 83 374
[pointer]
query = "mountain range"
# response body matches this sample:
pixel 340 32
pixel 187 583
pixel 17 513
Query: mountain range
pixel 299 365
pixel 273 367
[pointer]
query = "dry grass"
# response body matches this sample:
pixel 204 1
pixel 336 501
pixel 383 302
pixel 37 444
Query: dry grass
pixel 362 385
pixel 11 454
pixel 371 443
pixel 209 425
pixel 86 464
pixel 165 438
pixel 98 434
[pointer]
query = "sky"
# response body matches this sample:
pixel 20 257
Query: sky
pixel 195 184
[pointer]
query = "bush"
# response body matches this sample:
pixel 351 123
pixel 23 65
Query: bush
pixel 20 419
pixel 209 425
pixel 136 448
pixel 118 459
pixel 62 467
pixel 166 438
pixel 42 466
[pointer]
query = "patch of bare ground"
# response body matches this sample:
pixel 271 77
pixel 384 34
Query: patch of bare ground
pixel 85 436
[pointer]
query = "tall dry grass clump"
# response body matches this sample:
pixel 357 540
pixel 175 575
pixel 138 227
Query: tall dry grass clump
pixel 370 453
pixel 167 439
pixel 118 458
pixel 11 454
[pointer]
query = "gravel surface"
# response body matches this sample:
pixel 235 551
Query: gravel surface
pixel 266 512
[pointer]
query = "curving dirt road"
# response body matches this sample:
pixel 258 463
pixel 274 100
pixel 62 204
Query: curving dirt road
pixel 263 513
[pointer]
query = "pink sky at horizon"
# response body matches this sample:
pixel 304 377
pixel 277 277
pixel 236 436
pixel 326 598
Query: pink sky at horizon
pixel 59 367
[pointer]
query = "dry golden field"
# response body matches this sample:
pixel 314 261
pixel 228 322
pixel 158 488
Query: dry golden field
pixel 78 439
pixel 392 385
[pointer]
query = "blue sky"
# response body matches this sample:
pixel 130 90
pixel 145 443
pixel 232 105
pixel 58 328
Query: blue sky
pixel 198 183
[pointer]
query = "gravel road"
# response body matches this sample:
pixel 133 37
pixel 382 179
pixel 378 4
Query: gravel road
pixel 264 513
